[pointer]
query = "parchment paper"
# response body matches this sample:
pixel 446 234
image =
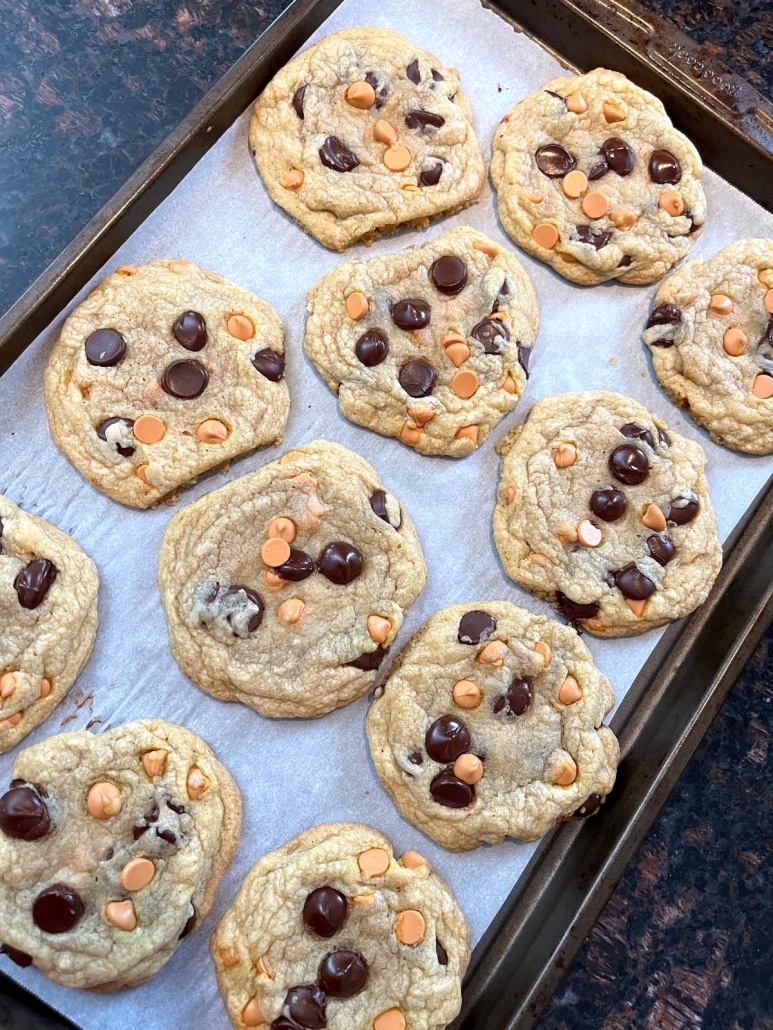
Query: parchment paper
pixel 295 774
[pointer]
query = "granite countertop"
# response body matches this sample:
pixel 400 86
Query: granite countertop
pixel 87 90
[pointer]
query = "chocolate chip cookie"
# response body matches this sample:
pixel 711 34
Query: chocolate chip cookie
pixel 364 132
pixel 333 931
pixel 163 372
pixel 48 612
pixel 606 514
pixel 430 344
pixel 711 338
pixel 490 726
pixel 593 179
pixel 286 588
pixel 111 849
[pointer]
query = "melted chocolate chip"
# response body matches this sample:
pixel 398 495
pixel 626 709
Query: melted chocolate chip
pixel 491 334
pixel 440 951
pixel 138 829
pixel 57 909
pixel 416 758
pixel 297 567
pixel 554 160
pixel 378 505
pixel 173 805
pixel 449 274
pixel 446 739
pixel 185 379
pixel 270 364
pixel 166 834
pixel 303 1007
pixel 598 238
pixel 369 661
pixel 524 356
pixel 417 378
pixel 618 155
pixel 372 347
pixel 21 958
pixel 298 96
pixel 421 119
pixel 599 167
pixel 381 91
pixel 324 911
pixel 340 562
pixel 609 504
pixel 765 348
pixel 633 584
pixel 516 699
pixel 125 452
pixel 190 330
pixel 625 261
pixel 629 464
pixel 342 974
pixel 431 176
pixel 411 313
pixel 663 436
pixel 664 167
pixel 661 548
pixel 336 155
pixel 189 925
pixel 573 611
pixel 475 627
pixel 664 314
pixel 450 791
pixel 105 348
pixel 33 582
pixel 256 599
pixel 23 812
pixel 683 510
pixel 412 71
pixel 634 432
pixel 590 806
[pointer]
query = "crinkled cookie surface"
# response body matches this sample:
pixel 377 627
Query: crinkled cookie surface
pixel 606 514
pixel 48 611
pixel 285 589
pixel 490 725
pixel 111 848
pixel 164 371
pixel 593 179
pixel 364 132
pixel 333 930
pixel 430 344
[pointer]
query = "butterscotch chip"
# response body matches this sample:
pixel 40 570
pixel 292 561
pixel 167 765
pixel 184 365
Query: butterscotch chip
pixel 671 202
pixel 212 430
pixel 390 1019
pixel 121 914
pixel 734 342
pixel 186 268
pixel 137 873
pixel 595 205
pixel 397 158
pixel 7 685
pixel 229 957
pixel 570 691
pixel 373 862
pixel 468 433
pixel 154 762
pixel 251 1014
pixel 763 386
pixel 361 95
pixel 623 220
pixel 290 611
pixel 379 628
pixel 588 533
pixel 126 270
pixel 413 860
pixel 104 800
pixel 613 112
pixel 653 518
pixel 636 606
pixel 494 653
pixel 357 306
pixel 263 967
pixel 767 301
pixel 141 472
pixel 291 180
pixel 410 926
pixel 576 103
pixel 486 247
pixel 458 352
pixel 468 768
pixel 722 304
pixel 565 455
pixel 567 774
pixel 467 694
pixel 765 276
pixel 509 384
pixel 149 429
pixel 240 327
pixel 543 650
pixel 384 132
pixel 410 434
pixel 574 184
pixel 196 783
pixel 275 551
pixel 545 235
pixel 464 383
pixel 283 528
pixel 45 687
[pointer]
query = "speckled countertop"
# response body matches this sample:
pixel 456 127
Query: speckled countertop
pixel 87 89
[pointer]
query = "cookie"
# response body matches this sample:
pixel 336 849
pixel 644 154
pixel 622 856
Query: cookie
pixel 593 179
pixel 163 372
pixel 48 612
pixel 332 930
pixel 430 344
pixel 111 849
pixel 711 338
pixel 364 132
pixel 286 588
pixel 606 514
pixel 490 726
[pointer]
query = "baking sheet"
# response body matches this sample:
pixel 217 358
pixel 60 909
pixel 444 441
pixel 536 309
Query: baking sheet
pixel 295 774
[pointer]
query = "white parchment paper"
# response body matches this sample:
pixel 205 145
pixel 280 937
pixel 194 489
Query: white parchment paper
pixel 295 774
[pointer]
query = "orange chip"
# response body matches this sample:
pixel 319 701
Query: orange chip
pixel 149 429
pixel 545 235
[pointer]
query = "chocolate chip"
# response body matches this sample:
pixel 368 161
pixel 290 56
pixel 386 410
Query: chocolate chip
pixel 303 1007
pixel 431 176
pixel 23 812
pixel 336 155
pixel 138 829
pixel 633 584
pixel 175 807
pixel 765 348
pixel 381 90
pixel 21 958
pixel 524 356
pixel 166 834
pixel 421 119
pixel 609 503
pixel 475 627
pixel 440 951
pixel 342 974
pixel 257 600
pixel 590 806
pixel 449 274
pixel 573 611
pixel 370 660
pixel 125 452
pixel 269 363
pixel 516 699
pixel 189 924
pixel 450 791
pixel 618 155
pixel 190 330
pixel 629 464
pixel 634 432
pixel 340 562
pixel 683 510
pixel 297 567
pixel 596 237
pixel 185 379
pixel 664 314
pixel 378 504
pixel 625 261
pixel 324 911
pixel 554 160
pixel 437 76
pixel 411 313
pixel 663 436
pixel 105 348
pixel 147 820
pixel 417 378
pixel 33 582
pixel 412 71
pixel 599 167
pixel 416 758
pixel 661 548
pixel 57 909
pixel 491 334
pixel 446 739
pixel 664 167
pixel 298 96
pixel 372 347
